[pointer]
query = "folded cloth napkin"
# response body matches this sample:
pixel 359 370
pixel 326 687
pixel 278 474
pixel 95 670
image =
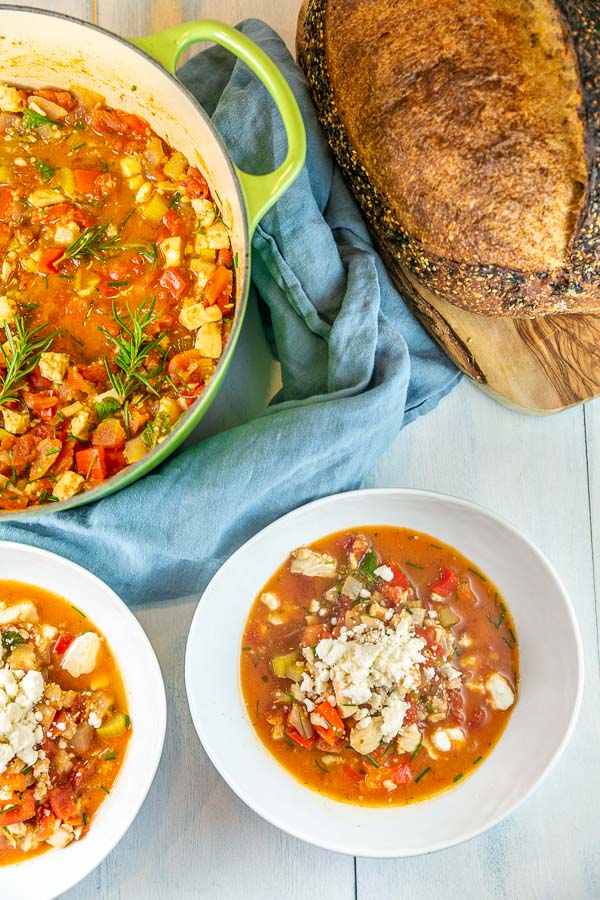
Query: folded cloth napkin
pixel 355 365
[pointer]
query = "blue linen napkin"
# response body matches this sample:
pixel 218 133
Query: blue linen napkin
pixel 356 367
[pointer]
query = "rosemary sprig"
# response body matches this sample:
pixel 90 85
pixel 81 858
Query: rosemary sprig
pixel 148 251
pixel 22 356
pixel 133 346
pixel 92 242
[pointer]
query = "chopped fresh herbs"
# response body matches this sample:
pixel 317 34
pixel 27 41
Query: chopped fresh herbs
pixel 52 452
pixel 414 565
pixel 175 201
pixel 127 721
pixel 84 818
pixel 107 407
pixel 32 119
pixel 416 750
pixel 423 774
pixel 93 243
pixel 133 346
pixel 111 755
pixel 372 761
pixel 475 761
pixel 45 169
pixel 105 789
pixel 22 352
pixel 437 546
pixel 478 574
pixel 320 765
pixel 11 639
pixel 78 611
pixel 368 565
pixel 457 777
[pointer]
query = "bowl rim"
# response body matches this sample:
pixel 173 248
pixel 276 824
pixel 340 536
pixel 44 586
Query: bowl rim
pixel 147 760
pixel 196 412
pixel 264 810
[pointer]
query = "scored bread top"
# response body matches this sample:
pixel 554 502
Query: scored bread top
pixel 468 118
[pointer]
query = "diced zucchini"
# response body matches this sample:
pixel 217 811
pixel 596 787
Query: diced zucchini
pixel 155 209
pixel 280 664
pixel 447 617
pixel 66 179
pixel 176 165
pixel 116 725
pixel 295 671
pixel 135 449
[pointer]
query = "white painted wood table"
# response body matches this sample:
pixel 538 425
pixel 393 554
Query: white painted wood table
pixel 193 838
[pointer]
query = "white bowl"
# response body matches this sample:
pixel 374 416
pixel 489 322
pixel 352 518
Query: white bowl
pixel 48 875
pixel 537 732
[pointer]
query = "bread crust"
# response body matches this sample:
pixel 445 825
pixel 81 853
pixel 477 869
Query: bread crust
pixel 469 134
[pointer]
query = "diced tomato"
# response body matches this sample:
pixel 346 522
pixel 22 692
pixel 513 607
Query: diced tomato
pixel 116 121
pixel 173 223
pixel 137 264
pixel 455 706
pixel 81 773
pixel 24 808
pixel 174 282
pixel 312 634
pixel 6 196
pixel 401 774
pixel 183 368
pixel 108 290
pixel 9 499
pixel 38 381
pixel 77 382
pixel 45 820
pixel 62 801
pixel 351 774
pixel 465 594
pixel 428 635
pixel 109 433
pixel 63 642
pixel 335 729
pixel 446 583
pixel 91 463
pixel 56 212
pixel 41 400
pixel 225 257
pixel 477 718
pixel 95 372
pixel 61 98
pixel 135 419
pixel 15 783
pixel 400 579
pixel 5 233
pixel 218 288
pixel 195 183
pixel 49 747
pixel 115 461
pixel 299 739
pixel 64 460
pixel 48 258
pixel 85 180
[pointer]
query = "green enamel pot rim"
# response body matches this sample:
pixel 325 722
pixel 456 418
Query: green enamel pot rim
pixel 256 195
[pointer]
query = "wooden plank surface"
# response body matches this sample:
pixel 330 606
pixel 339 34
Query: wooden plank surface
pixel 193 837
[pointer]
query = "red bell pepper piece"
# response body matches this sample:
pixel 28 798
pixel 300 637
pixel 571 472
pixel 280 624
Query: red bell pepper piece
pixel 174 282
pixel 299 739
pixel 399 579
pixel 446 583
pixel 48 258
pixel 336 728
pixel 91 463
pixel 63 642
pixel 19 809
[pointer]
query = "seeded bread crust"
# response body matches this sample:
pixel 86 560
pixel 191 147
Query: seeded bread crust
pixel 469 135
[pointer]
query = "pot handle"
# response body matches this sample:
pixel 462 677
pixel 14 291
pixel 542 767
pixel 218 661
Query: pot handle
pixel 260 191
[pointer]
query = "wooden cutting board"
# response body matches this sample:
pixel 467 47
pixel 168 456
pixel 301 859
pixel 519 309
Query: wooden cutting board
pixel 538 366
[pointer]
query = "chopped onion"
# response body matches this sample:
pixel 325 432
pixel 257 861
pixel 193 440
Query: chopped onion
pixel 351 587
pixel 299 720
pixel 82 739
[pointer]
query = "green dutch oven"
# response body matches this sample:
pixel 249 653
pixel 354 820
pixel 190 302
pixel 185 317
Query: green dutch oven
pixel 139 76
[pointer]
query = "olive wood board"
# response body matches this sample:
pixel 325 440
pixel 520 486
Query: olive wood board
pixel 538 366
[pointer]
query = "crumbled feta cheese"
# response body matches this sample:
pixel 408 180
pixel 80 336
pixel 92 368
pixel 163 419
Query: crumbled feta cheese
pixel 315 565
pixel 192 317
pixel 94 720
pixel 66 234
pixel 54 366
pixel 270 600
pixel 365 594
pixel 69 484
pixel 16 421
pixel 216 237
pixel 500 691
pixel 441 741
pixel 8 310
pixel 205 211
pixel 23 611
pixel 20 731
pixel 80 657
pixel 384 572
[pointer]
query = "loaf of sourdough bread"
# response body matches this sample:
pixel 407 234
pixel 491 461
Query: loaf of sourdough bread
pixel 470 134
